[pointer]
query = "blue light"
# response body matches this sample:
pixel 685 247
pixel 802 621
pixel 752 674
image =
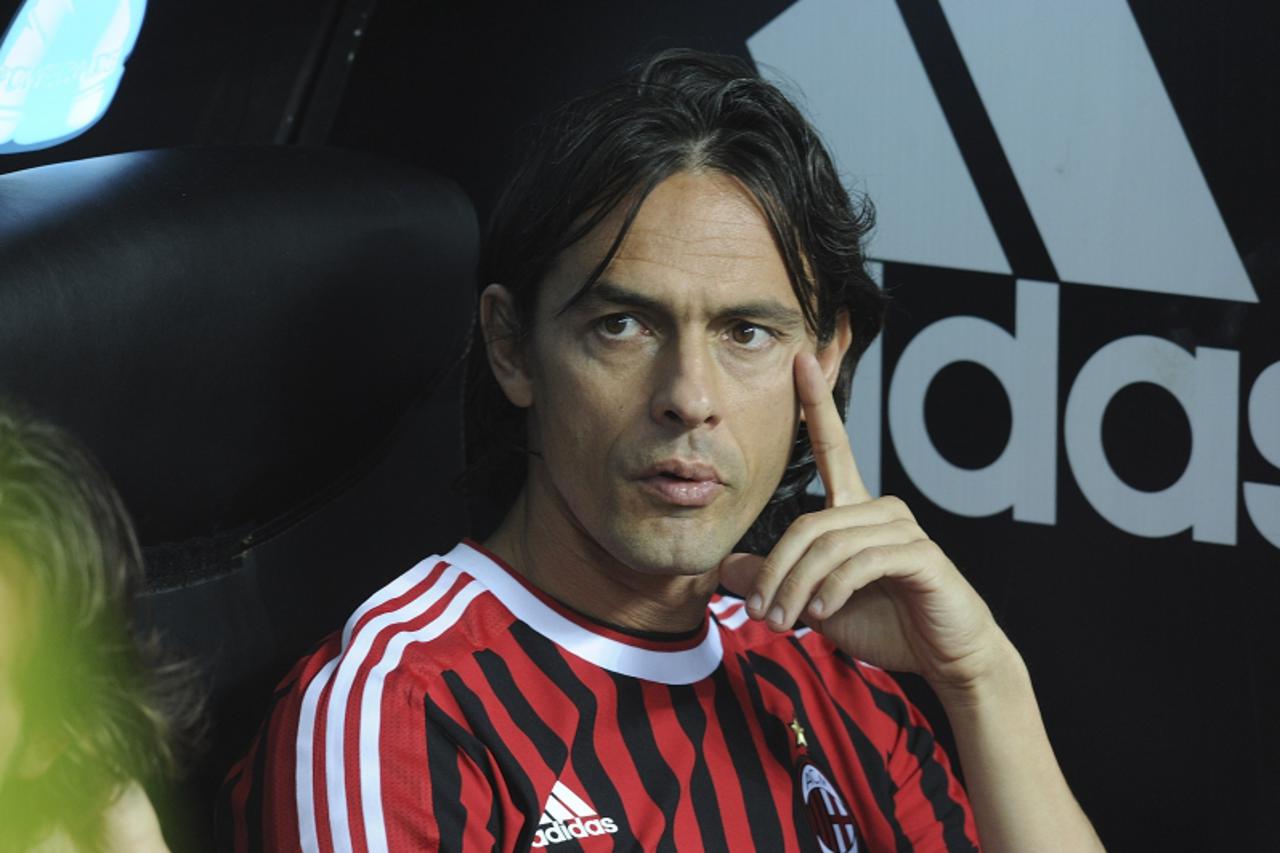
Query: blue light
pixel 60 65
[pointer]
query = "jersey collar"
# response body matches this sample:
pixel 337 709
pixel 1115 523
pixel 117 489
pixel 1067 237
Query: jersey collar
pixel 612 650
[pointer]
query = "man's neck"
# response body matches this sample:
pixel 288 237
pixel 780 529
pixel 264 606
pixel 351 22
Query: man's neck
pixel 561 559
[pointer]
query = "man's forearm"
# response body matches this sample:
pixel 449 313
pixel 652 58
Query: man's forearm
pixel 1019 796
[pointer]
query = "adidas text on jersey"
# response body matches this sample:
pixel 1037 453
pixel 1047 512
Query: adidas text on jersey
pixel 567 816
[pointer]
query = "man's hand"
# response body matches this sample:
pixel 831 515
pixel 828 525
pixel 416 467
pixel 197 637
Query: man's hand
pixel 863 573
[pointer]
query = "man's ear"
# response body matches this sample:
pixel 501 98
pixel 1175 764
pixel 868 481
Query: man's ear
pixel 832 355
pixel 503 345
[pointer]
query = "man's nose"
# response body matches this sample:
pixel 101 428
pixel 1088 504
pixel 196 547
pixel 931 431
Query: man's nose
pixel 686 393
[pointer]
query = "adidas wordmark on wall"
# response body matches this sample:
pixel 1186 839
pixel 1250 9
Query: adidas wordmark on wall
pixel 1071 134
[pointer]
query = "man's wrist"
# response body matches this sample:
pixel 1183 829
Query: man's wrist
pixel 1000 677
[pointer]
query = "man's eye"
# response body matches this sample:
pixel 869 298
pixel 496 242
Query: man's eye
pixel 619 326
pixel 750 336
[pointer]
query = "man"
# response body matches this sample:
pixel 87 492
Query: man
pixel 677 289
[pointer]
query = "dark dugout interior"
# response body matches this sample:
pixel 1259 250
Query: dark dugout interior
pixel 1155 659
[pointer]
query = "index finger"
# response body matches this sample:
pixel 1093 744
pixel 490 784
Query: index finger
pixel 827 436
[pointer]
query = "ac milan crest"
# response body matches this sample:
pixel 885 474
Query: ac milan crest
pixel 828 813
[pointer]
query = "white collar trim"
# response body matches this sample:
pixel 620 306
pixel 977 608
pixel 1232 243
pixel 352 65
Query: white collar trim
pixel 683 666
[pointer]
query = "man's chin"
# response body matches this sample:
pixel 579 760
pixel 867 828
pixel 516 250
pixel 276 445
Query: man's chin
pixel 672 547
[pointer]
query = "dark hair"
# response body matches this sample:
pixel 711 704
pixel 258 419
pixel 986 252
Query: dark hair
pixel 679 111
pixel 100 706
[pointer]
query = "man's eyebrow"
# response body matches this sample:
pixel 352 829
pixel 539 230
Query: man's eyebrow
pixel 767 311
pixel 607 292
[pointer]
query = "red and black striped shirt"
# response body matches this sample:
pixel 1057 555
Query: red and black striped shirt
pixel 461 708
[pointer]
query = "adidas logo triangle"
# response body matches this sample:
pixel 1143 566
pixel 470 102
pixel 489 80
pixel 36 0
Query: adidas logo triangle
pixel 567 816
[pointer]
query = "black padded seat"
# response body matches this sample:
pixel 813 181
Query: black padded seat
pixel 263 346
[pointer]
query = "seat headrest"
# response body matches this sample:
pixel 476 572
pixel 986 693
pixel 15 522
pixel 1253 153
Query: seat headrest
pixel 232 330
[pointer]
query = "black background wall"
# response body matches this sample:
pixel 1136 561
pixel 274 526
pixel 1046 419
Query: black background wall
pixel 1155 654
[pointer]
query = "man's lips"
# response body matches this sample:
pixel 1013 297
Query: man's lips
pixel 681 482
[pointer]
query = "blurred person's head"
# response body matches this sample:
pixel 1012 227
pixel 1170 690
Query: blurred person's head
pixel 12 627
pixel 86 711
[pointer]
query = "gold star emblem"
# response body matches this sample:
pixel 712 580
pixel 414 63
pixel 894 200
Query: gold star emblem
pixel 798 731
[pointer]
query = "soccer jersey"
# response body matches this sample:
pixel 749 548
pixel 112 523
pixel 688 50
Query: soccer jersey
pixel 461 708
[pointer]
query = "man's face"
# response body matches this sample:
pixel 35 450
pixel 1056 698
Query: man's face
pixel 663 401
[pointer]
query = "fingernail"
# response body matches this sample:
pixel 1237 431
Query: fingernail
pixel 815 607
pixel 776 615
pixel 755 603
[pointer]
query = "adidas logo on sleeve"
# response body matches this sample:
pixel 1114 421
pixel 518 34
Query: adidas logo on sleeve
pixel 567 816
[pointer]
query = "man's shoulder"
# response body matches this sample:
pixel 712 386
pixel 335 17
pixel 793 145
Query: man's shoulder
pixel 365 686
pixel 420 624
pixel 426 620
